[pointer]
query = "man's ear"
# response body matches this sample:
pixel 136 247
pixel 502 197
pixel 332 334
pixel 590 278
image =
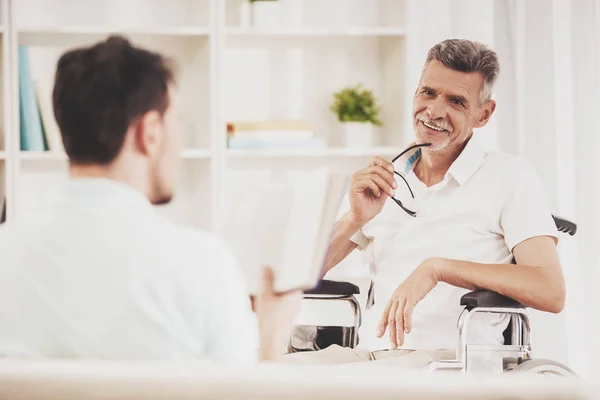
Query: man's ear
pixel 147 133
pixel 486 113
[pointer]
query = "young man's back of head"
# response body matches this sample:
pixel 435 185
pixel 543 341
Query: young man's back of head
pixel 115 106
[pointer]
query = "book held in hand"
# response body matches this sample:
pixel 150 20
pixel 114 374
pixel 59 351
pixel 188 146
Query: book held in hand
pixel 284 222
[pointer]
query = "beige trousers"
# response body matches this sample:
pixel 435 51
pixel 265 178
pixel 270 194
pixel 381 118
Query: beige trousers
pixel 411 359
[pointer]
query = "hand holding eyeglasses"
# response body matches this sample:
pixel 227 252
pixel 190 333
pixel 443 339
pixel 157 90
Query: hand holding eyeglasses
pixel 369 189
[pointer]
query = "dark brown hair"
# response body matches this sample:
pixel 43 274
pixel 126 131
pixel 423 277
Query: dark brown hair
pixel 100 90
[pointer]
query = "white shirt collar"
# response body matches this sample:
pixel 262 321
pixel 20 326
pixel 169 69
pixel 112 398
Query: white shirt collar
pixel 101 191
pixel 468 162
pixel 464 167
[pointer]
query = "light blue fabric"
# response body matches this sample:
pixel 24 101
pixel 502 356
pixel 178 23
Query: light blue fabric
pixel 411 160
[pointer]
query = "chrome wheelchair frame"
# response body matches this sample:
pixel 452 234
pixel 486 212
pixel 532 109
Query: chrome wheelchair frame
pixel 345 336
pixel 515 355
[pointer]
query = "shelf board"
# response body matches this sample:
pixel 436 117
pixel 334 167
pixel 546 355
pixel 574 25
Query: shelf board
pixel 190 154
pixel 83 30
pixel 340 152
pixel 42 156
pixel 199 154
pixel 316 31
pixel 36 33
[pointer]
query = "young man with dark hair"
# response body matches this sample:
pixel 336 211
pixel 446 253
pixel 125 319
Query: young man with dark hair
pixel 95 272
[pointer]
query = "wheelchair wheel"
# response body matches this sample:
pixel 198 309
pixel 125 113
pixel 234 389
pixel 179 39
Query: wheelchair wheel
pixel 544 367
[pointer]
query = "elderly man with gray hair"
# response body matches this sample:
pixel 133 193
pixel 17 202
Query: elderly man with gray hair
pixel 444 218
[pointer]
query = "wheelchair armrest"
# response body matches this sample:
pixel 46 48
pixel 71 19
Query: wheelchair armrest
pixel 487 298
pixel 327 287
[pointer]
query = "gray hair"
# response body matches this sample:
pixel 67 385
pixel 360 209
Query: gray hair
pixel 468 56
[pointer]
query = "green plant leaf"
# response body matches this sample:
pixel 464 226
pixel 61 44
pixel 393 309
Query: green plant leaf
pixel 356 104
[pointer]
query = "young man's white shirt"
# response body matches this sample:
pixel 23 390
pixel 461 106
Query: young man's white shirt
pixel 96 272
pixel 487 203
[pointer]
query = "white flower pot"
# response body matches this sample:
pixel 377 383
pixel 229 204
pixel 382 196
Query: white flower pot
pixel 244 13
pixel 358 134
pixel 266 15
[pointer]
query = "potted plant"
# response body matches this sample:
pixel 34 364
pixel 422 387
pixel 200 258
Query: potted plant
pixel 357 109
pixel 265 14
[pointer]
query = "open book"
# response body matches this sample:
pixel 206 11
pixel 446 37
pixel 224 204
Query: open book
pixel 284 222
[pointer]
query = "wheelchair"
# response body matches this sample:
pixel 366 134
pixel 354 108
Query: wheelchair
pixel 514 356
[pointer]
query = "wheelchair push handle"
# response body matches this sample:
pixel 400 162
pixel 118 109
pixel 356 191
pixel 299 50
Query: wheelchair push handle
pixel 564 225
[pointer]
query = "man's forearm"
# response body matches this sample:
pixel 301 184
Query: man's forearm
pixel 341 245
pixel 539 287
pixel 268 350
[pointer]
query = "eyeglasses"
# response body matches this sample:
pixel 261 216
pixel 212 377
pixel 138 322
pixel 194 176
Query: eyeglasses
pixel 408 211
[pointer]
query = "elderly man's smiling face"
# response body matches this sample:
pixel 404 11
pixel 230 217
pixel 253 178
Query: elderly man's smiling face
pixel 447 106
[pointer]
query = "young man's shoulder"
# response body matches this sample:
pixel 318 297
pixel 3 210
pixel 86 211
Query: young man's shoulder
pixel 195 241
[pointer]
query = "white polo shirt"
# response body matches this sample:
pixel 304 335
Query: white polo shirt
pixel 97 273
pixel 487 203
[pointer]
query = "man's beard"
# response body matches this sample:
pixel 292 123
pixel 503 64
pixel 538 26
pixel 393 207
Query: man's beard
pixel 160 193
pixel 438 141
pixel 163 199
pixel 437 144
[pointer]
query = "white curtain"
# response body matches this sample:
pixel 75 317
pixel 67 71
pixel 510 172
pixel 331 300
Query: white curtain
pixel 548 99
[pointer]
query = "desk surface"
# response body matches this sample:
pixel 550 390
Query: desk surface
pixel 202 380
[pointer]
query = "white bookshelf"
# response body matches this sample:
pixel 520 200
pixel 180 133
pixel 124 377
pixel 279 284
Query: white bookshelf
pixel 180 29
pixel 228 71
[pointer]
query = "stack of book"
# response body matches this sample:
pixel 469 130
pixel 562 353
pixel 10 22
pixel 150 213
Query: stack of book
pixel 38 128
pixel 273 134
